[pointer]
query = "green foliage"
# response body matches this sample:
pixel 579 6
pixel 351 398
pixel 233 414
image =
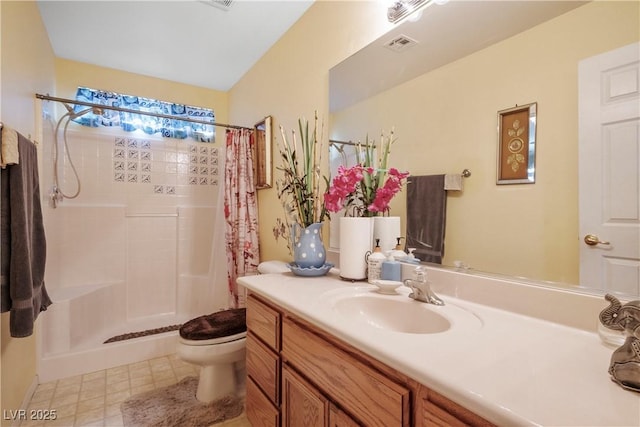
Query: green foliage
pixel 299 189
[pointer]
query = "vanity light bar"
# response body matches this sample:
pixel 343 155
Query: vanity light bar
pixel 402 8
pixel 220 4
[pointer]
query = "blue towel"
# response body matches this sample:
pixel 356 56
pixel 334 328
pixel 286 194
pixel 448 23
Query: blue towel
pixel 23 248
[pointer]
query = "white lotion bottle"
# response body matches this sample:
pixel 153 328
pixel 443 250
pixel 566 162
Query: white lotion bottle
pixel 374 263
pixel 398 254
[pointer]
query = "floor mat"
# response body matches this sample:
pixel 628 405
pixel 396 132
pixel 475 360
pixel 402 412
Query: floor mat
pixel 177 406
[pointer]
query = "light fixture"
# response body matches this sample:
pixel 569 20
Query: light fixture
pixel 402 8
pixel 220 4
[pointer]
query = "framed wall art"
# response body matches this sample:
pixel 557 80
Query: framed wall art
pixel 262 154
pixel 517 145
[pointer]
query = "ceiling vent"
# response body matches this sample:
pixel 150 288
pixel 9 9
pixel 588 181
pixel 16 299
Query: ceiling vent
pixel 400 43
pixel 220 4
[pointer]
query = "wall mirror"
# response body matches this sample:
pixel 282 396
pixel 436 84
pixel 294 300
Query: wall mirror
pixel 441 92
pixel 262 167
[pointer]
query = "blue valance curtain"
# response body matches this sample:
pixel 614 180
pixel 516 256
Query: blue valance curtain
pixel 169 128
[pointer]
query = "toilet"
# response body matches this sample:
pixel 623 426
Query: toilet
pixel 216 343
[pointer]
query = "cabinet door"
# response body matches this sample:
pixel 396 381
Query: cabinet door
pixel 338 418
pixel 302 404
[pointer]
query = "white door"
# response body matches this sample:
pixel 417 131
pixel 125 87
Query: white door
pixel 609 161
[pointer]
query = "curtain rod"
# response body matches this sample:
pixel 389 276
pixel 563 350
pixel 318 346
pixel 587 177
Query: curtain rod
pixel 128 110
pixel 335 141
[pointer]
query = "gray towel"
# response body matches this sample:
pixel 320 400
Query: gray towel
pixel 426 215
pixel 23 248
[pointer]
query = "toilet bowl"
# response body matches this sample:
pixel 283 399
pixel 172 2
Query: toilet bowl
pixel 216 343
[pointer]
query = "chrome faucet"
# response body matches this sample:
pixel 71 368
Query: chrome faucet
pixel 421 289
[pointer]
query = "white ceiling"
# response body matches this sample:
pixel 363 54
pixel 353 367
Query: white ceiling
pixel 185 41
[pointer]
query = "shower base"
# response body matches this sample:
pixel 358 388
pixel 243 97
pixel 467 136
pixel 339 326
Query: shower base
pixel 71 342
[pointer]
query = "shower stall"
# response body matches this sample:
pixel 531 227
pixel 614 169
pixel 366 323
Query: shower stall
pixel 140 247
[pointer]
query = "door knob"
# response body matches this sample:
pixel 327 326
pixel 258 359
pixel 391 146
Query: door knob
pixel 592 240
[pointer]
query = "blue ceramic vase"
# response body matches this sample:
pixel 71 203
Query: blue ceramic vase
pixel 308 249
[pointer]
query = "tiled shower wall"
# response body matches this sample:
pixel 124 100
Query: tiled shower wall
pixel 144 216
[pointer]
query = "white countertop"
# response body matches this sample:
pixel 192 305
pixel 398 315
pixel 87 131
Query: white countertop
pixel 512 369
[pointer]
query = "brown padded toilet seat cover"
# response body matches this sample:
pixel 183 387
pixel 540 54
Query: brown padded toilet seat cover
pixel 215 325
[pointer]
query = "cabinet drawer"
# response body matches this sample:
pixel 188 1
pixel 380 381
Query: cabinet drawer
pixel 362 391
pixel 263 366
pixel 260 412
pixel 264 322
pixel 437 410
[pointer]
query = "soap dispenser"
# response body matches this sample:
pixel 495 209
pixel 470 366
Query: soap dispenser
pixel 391 269
pixel 411 257
pixel 374 263
pixel 398 254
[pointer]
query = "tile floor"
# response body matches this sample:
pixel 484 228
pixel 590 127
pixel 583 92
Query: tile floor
pixel 94 399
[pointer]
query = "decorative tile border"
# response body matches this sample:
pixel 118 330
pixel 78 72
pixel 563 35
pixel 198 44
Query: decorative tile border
pixel 133 163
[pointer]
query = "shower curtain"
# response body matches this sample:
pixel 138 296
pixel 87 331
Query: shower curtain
pixel 240 211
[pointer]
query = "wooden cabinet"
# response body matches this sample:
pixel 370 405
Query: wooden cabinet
pixel 263 364
pixel 260 411
pixel 302 404
pixel 367 394
pixel 301 376
pixel 264 322
pixel 433 409
pixel 338 418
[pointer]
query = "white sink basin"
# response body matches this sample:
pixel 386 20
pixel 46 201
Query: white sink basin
pixel 399 313
pixel 392 314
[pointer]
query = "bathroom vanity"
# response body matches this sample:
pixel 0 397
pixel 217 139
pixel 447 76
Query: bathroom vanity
pixel 324 352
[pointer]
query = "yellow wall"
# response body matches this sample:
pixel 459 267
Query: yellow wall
pixel 27 67
pixel 457 104
pixel 71 74
pixel 292 80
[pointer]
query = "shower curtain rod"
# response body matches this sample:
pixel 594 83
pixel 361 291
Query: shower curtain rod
pixel 335 141
pixel 128 110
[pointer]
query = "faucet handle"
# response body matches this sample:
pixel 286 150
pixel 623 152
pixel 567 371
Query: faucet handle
pixel 420 274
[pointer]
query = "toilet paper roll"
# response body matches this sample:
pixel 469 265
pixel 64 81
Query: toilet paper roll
pixel 387 229
pixel 355 242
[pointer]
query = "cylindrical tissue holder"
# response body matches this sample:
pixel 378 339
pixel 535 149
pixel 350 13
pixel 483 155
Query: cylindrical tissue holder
pixel 387 229
pixel 355 241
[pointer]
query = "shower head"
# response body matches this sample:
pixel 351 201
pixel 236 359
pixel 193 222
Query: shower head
pixel 75 115
pixel 68 107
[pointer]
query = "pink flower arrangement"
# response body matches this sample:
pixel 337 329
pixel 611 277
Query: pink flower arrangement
pixel 363 189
